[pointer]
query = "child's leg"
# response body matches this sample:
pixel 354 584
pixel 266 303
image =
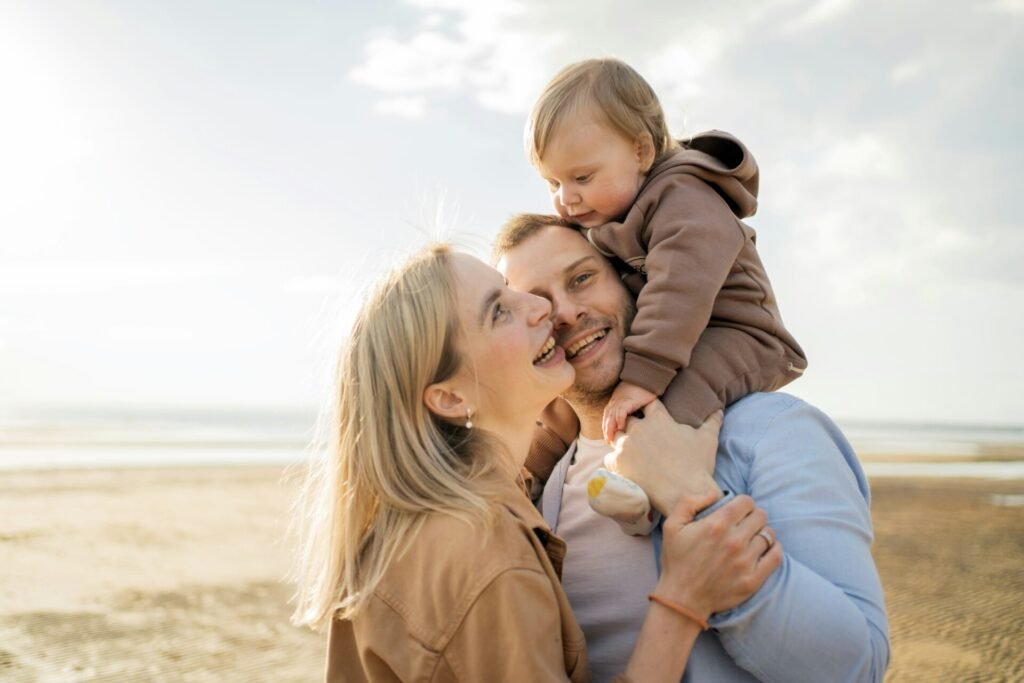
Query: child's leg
pixel 615 496
pixel 557 427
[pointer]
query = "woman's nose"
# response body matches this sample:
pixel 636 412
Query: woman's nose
pixel 540 309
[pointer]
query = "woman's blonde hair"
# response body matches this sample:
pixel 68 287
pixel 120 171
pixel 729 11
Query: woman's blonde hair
pixel 608 87
pixel 389 460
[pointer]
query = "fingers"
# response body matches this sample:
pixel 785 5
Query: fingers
pixel 655 407
pixel 765 536
pixel 614 420
pixel 736 510
pixel 768 562
pixel 713 424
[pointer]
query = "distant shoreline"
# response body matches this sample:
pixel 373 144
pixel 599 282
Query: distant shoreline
pixel 28 456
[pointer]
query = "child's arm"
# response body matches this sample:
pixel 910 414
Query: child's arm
pixel 693 239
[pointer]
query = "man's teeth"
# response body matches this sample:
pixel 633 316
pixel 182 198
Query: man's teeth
pixel 578 346
pixel 546 352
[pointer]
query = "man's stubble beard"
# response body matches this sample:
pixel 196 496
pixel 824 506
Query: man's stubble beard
pixel 595 397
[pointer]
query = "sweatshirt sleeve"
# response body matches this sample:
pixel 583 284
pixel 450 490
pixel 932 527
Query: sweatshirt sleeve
pixel 821 615
pixel 693 239
pixel 511 632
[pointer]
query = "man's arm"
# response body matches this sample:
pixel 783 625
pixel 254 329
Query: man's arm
pixel 821 616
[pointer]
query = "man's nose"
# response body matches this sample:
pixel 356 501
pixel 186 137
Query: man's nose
pixel 564 311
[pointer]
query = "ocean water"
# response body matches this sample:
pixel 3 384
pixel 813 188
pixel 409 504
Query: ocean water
pixel 103 437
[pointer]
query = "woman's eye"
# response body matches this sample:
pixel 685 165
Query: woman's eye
pixel 499 311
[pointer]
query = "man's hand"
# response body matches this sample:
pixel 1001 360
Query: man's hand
pixel 720 561
pixel 670 461
pixel 625 400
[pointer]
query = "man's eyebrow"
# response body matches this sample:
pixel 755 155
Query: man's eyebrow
pixel 489 300
pixel 576 264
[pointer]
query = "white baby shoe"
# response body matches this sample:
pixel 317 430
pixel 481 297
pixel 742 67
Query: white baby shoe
pixel 615 496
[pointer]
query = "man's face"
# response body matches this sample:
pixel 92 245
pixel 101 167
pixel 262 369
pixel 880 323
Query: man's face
pixel 591 309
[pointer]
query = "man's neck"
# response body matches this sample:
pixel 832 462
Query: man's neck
pixel 590 421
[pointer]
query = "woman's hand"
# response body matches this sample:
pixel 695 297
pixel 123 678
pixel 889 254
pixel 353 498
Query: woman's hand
pixel 669 461
pixel 717 562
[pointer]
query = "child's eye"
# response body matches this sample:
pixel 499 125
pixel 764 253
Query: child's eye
pixel 553 185
pixel 581 179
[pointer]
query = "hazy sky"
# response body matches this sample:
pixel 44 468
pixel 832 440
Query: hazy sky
pixel 193 194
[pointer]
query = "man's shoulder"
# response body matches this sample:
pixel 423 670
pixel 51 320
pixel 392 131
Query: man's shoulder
pixel 779 432
pixel 756 417
pixel 759 410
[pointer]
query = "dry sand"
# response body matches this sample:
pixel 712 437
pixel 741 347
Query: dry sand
pixel 174 575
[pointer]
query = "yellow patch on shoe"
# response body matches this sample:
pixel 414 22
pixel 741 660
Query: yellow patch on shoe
pixel 595 485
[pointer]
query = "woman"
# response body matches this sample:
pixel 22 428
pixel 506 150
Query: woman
pixel 421 549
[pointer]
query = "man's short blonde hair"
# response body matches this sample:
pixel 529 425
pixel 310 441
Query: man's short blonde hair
pixel 520 228
pixel 606 87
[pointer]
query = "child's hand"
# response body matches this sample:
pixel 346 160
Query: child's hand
pixel 626 400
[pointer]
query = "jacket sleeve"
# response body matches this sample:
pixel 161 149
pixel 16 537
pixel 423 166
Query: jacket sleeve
pixel 821 615
pixel 511 632
pixel 693 239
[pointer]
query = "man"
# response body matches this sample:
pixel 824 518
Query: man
pixel 821 615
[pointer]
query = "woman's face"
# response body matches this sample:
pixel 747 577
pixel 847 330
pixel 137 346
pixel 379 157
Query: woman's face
pixel 511 367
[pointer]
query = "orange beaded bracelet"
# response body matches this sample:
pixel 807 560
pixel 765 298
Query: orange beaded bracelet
pixel 679 609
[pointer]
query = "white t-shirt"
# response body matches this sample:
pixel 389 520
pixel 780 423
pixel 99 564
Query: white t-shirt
pixel 606 574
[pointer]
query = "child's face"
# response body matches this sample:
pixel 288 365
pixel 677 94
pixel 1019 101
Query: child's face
pixel 593 171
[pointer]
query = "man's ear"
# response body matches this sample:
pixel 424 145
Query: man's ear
pixel 447 404
pixel 645 151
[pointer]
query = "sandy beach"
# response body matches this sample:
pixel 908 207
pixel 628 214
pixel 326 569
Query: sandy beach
pixel 175 575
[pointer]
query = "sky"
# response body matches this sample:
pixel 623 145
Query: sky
pixel 194 195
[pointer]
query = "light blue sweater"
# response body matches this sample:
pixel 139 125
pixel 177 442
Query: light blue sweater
pixel 821 616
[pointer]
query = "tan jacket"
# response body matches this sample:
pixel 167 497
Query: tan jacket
pixel 464 604
pixel 700 271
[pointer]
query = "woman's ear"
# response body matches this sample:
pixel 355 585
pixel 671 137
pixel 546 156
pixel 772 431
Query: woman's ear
pixel 443 401
pixel 645 151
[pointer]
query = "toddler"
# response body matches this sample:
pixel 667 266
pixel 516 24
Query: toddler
pixel 707 329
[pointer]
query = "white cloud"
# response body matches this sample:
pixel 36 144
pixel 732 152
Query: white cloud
pixel 128 334
pixel 458 47
pixel 412 108
pixel 75 276
pixel 865 156
pixel 909 70
pixel 821 12
pixel 312 284
pixel 1004 6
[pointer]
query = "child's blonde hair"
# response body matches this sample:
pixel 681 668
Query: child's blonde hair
pixel 607 86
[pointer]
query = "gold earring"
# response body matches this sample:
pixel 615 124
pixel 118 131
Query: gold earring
pixel 469 418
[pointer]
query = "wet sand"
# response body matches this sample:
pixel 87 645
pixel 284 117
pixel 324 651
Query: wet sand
pixel 175 575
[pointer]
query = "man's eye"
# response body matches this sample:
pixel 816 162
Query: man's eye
pixel 580 279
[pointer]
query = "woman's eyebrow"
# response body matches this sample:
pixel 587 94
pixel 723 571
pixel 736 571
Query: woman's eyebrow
pixel 488 301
